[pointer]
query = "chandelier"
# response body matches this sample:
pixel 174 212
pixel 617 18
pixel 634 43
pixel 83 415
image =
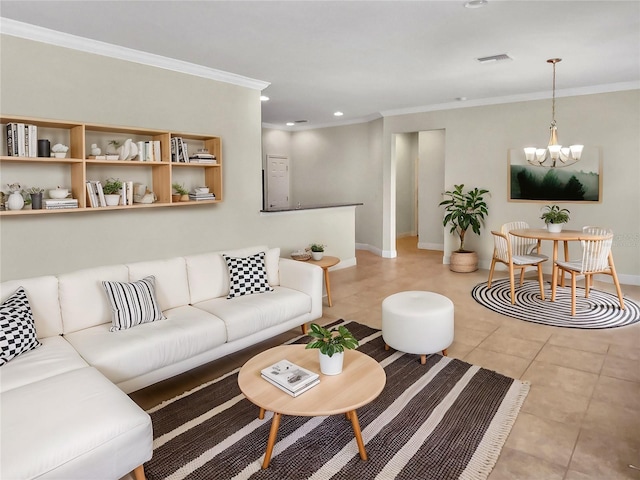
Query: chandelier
pixel 554 155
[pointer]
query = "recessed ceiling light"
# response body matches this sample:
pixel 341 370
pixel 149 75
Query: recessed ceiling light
pixel 338 114
pixel 290 124
pixel 475 3
pixel 461 99
pixel 264 98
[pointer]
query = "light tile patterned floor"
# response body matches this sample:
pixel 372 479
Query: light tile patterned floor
pixel 581 420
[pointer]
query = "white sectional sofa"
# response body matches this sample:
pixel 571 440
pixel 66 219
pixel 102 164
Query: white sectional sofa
pixel 64 409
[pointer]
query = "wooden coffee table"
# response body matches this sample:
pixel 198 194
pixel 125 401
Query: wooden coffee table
pixel 361 381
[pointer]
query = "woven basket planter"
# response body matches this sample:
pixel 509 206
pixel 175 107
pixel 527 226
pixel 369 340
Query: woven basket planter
pixel 463 262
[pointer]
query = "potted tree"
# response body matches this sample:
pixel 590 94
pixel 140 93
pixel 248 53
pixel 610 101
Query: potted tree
pixel 554 217
pixel 111 189
pixel 331 344
pixel 181 192
pixel 317 251
pixel 464 209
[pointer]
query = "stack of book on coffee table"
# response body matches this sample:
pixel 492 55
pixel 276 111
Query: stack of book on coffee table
pixel 290 378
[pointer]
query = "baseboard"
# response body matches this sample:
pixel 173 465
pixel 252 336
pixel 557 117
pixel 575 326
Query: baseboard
pixel 431 246
pixel 377 251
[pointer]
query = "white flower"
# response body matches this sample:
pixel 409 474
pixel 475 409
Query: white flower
pixel 59 148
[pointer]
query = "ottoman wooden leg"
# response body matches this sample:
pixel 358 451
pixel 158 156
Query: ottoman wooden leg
pixel 386 347
pixel 444 352
pixel 423 359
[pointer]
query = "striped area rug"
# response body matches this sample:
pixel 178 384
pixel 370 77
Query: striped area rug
pixel 443 420
pixel 600 310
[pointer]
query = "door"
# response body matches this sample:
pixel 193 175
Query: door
pixel 277 181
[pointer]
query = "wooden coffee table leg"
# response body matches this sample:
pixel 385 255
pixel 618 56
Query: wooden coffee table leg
pixel 273 434
pixel 261 414
pixel 356 431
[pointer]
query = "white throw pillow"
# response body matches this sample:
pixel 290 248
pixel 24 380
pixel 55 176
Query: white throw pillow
pixel 17 330
pixel 247 275
pixel 133 303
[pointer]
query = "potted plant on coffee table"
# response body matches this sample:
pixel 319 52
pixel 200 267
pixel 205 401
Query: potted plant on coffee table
pixel 331 344
pixel 554 217
pixel 111 189
pixel 464 209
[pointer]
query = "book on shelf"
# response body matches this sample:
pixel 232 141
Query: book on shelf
pixel 101 199
pixel 22 140
pixel 55 203
pixel 310 385
pixel 203 160
pixel 202 196
pixel 290 377
pixel 91 195
pixel 108 156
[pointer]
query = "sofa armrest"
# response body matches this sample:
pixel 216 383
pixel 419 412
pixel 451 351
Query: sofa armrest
pixel 305 278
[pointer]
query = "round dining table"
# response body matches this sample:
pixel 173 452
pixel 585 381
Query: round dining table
pixel 564 236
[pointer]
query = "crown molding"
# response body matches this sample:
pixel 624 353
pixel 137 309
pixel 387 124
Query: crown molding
pixel 87 45
pixel 568 92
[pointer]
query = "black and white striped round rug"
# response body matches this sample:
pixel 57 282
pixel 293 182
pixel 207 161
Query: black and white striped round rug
pixel 600 310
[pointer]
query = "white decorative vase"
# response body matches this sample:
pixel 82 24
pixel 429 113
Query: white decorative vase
pixel 554 227
pixel 112 200
pixel 317 255
pixel 15 201
pixel 331 365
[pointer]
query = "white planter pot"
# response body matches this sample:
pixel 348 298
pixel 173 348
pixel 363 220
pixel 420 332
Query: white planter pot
pixel 331 365
pixel 554 227
pixel 317 255
pixel 15 201
pixel 112 200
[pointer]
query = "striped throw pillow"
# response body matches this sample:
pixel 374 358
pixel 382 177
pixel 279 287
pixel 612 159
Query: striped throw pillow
pixel 133 303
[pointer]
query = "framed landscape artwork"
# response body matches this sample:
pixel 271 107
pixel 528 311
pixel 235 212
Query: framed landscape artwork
pixel 580 182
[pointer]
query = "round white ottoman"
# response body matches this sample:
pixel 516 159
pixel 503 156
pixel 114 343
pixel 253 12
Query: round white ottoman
pixel 417 322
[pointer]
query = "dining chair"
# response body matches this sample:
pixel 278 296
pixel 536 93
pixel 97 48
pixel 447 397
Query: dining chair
pixel 516 254
pixel 596 259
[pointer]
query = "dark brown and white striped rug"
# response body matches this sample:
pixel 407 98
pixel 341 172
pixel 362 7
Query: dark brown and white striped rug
pixel 443 420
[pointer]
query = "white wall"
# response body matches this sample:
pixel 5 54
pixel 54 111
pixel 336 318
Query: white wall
pixel 46 81
pixel 475 154
pixel 430 187
pixel 406 161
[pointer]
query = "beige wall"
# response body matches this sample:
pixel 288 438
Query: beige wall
pixel 475 146
pixel 46 81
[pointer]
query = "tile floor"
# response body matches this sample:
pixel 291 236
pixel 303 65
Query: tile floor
pixel 581 419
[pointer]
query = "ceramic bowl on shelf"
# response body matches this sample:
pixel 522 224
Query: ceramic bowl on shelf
pixel 58 193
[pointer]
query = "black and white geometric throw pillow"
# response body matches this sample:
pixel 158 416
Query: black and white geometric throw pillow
pixel 133 303
pixel 247 275
pixel 17 330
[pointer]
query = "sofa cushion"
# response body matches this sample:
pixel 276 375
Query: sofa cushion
pixel 42 293
pixel 247 275
pixel 172 287
pixel 17 330
pixel 132 303
pixel 248 314
pixel 209 275
pixel 126 354
pixel 76 425
pixel 53 357
pixel 82 298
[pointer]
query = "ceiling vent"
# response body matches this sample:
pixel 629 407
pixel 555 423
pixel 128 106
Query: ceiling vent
pixel 494 58
pixel 301 121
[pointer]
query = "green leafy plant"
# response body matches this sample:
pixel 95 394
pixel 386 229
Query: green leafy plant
pixel 34 190
pixel 180 190
pixel 331 341
pixel 317 247
pixel 555 214
pixel 464 210
pixel 112 186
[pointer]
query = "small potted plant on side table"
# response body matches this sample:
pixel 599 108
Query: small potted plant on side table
pixel 554 217
pixel 331 344
pixel 111 190
pixel 317 251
